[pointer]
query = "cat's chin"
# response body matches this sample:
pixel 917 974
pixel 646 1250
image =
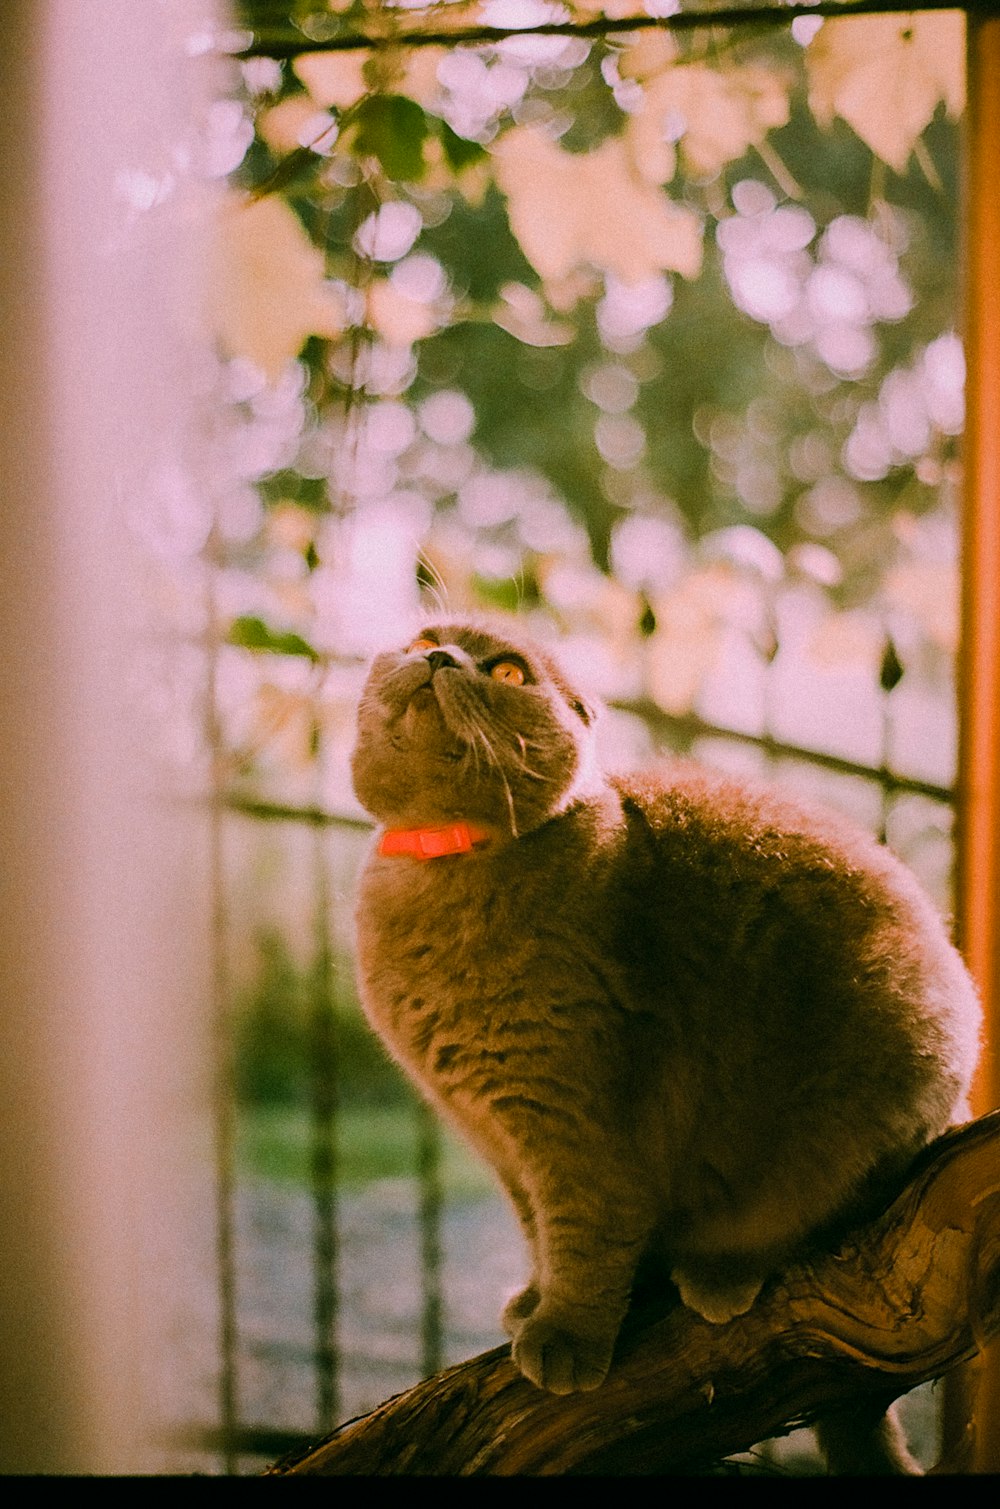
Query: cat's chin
pixel 404 745
pixel 422 732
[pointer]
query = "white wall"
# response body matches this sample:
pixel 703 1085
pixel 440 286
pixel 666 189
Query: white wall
pixel 103 891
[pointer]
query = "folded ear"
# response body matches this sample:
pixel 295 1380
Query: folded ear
pixel 585 710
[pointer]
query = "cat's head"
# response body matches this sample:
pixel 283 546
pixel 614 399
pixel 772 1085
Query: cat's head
pixel 472 722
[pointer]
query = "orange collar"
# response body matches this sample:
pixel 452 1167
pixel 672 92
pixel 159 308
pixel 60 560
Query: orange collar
pixel 432 843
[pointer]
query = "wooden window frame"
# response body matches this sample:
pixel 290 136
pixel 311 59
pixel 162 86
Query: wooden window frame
pixel 978 790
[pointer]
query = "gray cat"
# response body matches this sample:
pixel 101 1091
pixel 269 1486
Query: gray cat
pixel 684 1020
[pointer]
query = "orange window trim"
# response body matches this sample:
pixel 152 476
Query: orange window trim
pixel 979 775
pixel 978 917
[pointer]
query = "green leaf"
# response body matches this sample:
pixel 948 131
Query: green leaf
pixel 510 594
pixel 596 113
pixel 892 668
pixel 393 129
pixel 458 150
pixel 289 486
pixel 298 168
pixel 253 633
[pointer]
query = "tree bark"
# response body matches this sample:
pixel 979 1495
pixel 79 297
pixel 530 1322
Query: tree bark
pixel 901 1301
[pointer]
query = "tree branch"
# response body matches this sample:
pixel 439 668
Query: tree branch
pixel 903 1301
pixel 283 41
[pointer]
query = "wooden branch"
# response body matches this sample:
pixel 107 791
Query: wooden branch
pixel 283 41
pixel 903 1301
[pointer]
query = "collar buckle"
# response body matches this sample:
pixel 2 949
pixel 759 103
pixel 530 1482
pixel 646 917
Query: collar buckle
pixel 432 843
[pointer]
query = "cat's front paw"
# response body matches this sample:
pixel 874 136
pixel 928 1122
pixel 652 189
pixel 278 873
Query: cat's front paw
pixel 518 1308
pixel 558 1359
pixel 716 1302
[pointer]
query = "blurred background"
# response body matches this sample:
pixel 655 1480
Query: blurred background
pixel 648 338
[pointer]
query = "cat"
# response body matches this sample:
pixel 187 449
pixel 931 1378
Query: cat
pixel 683 1019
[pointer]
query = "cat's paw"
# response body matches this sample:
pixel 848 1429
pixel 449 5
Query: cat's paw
pixel 558 1359
pixel 518 1308
pixel 716 1302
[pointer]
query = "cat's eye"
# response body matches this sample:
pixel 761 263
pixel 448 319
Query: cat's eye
pixel 509 671
pixel 421 646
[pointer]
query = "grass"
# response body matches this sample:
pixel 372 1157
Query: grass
pixel 371 1142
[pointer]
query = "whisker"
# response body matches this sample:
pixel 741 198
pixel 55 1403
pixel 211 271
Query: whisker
pixel 525 768
pixel 434 586
pixel 495 762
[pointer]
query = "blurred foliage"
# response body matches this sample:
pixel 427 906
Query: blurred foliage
pixel 253 634
pixel 603 329
pixel 372 1142
pixel 643 335
pixel 279 1051
pixel 275 1028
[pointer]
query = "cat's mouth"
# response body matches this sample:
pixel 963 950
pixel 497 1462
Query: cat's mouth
pixel 422 727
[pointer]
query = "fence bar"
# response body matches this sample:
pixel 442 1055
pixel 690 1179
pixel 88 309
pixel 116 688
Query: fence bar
pixel 979 773
pixel 431 1207
pixel 323 1165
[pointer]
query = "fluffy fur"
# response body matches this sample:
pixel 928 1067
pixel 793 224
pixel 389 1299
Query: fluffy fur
pixel 684 1020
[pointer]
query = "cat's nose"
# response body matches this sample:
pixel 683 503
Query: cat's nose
pixel 437 658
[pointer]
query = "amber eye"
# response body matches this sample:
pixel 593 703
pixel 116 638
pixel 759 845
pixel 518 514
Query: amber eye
pixel 509 671
pixel 421 646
